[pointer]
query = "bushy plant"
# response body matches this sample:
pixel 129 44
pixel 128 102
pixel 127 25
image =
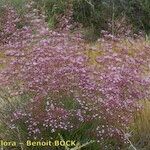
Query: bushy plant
pixel 67 91
pixel 97 15
pixel 140 130
pixel 94 15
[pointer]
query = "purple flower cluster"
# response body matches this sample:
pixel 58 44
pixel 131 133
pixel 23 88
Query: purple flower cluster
pixel 55 67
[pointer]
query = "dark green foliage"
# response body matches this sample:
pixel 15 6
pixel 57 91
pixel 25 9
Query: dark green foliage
pixel 138 11
pixel 51 8
pixel 91 15
pixel 98 13
pixel 95 14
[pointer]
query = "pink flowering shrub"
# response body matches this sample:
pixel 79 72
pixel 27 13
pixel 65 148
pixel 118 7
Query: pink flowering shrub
pixel 66 90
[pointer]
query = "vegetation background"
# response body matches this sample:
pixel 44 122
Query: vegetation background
pixel 122 26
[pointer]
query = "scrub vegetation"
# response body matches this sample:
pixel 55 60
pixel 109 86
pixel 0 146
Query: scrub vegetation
pixel 75 70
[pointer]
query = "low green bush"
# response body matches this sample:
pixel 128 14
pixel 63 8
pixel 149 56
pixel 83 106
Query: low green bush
pixel 97 14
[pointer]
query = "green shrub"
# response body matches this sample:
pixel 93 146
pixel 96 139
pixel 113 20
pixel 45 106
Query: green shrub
pixel 141 128
pixel 96 14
